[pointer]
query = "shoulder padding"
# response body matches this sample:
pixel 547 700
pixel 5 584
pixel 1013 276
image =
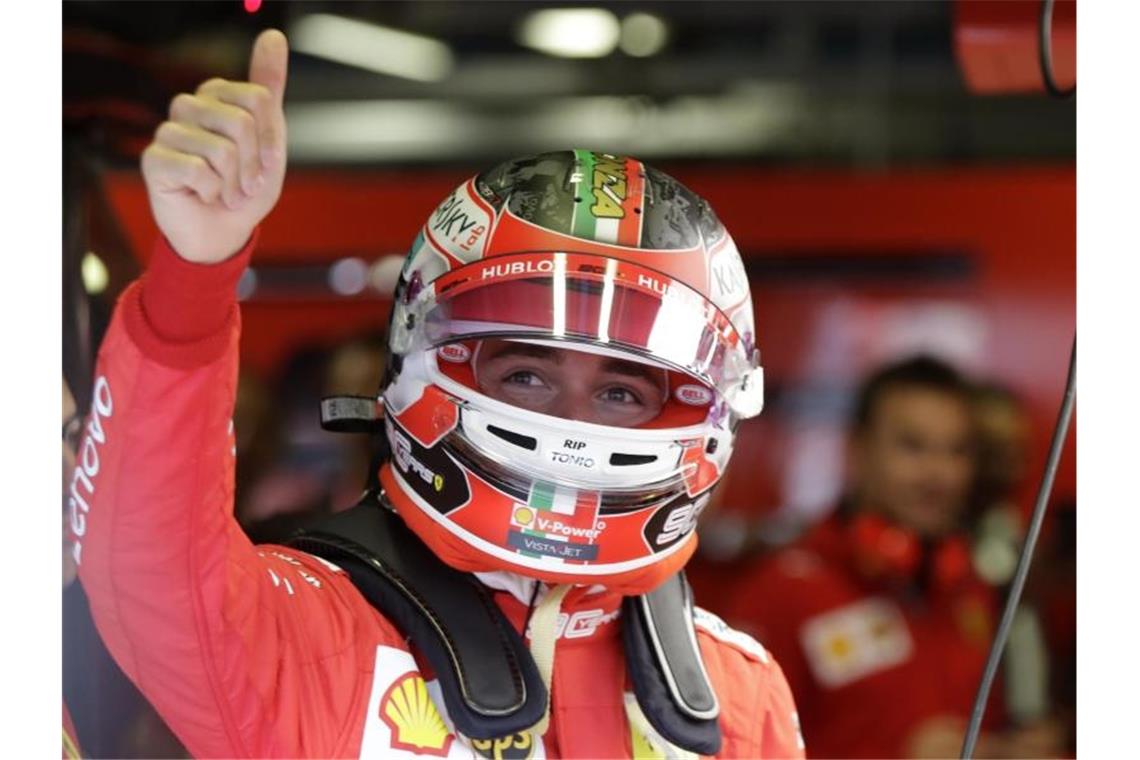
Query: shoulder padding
pixel 489 681
pixel 721 631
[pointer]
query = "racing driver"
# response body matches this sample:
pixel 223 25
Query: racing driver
pixel 570 352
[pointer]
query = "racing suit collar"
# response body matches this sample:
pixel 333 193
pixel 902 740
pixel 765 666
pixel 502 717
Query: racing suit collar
pixel 586 609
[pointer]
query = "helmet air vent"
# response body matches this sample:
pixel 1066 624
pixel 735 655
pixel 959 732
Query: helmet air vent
pixel 523 441
pixel 624 460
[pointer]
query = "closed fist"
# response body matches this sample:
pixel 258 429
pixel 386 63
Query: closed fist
pixel 214 169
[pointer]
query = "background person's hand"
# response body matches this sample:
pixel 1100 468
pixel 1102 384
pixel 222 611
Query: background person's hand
pixel 214 169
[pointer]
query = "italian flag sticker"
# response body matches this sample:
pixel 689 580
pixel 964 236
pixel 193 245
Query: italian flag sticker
pixel 609 193
pixel 574 508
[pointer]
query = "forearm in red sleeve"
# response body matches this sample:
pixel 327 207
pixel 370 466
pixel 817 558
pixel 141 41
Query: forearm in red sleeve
pixel 182 599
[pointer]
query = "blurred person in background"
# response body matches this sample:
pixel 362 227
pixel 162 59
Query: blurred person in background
pixel 1003 433
pixel 291 472
pixel 1036 665
pixel 292 459
pixel 273 651
pixel 880 621
pixel 998 524
pixel 1053 580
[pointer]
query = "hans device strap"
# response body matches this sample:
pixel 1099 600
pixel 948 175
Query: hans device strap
pixel 665 666
pixel 489 680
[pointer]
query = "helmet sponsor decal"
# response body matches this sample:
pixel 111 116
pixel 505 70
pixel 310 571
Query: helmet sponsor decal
pixel 459 225
pixel 608 197
pixel 413 719
pixel 728 278
pixel 673 522
pixel 516 268
pixel 431 473
pixel 693 394
pixel 456 353
pixel 557 522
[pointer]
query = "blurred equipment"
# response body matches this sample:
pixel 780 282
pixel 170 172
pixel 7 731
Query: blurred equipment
pixel 1017 45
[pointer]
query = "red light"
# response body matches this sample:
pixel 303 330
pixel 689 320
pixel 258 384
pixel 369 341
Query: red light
pixel 251 6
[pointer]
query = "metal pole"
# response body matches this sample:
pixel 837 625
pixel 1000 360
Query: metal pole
pixel 1018 585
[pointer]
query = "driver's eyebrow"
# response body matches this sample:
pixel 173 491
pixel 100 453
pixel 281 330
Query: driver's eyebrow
pixel 529 350
pixel 653 375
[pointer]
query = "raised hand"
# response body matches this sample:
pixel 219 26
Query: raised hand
pixel 214 169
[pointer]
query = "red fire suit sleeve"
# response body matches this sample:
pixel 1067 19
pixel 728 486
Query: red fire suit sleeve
pixel 245 651
pixel 758 713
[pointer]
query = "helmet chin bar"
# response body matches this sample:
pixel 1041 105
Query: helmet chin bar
pixel 512 481
pixel 513 457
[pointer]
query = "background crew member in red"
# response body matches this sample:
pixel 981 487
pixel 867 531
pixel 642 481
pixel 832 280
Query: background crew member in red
pixel 876 614
pixel 560 304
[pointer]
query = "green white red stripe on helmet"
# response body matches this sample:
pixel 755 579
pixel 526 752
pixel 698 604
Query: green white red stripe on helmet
pixel 609 192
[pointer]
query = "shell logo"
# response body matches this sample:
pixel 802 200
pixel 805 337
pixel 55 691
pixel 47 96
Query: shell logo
pixel 524 515
pixel 413 719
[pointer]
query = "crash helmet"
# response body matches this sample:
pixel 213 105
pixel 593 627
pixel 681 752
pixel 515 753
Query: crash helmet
pixel 583 253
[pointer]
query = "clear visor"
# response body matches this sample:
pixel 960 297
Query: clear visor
pixel 582 298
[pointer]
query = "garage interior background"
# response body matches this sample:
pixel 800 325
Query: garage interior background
pixel 882 208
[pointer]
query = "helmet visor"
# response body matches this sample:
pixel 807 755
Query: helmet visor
pixel 588 299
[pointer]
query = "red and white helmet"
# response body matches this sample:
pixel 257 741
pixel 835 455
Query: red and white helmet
pixel 587 252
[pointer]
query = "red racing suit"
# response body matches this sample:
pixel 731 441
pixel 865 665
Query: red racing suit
pixel 256 651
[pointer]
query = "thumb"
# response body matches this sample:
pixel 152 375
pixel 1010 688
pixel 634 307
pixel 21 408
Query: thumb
pixel 269 63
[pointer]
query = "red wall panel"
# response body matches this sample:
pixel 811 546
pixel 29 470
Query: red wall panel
pixel 1010 316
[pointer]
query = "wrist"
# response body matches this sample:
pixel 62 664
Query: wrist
pixel 184 300
pixel 218 253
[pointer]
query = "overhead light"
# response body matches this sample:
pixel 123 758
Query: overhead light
pixel 385 273
pixel 348 277
pixel 348 130
pixel 372 47
pixel 247 284
pixel 94 273
pixel 571 32
pixel 643 35
pixel 752 120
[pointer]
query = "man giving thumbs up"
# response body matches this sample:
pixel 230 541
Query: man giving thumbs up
pixel 535 574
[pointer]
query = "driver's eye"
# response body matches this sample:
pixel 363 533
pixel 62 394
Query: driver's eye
pixel 620 396
pixel 523 377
